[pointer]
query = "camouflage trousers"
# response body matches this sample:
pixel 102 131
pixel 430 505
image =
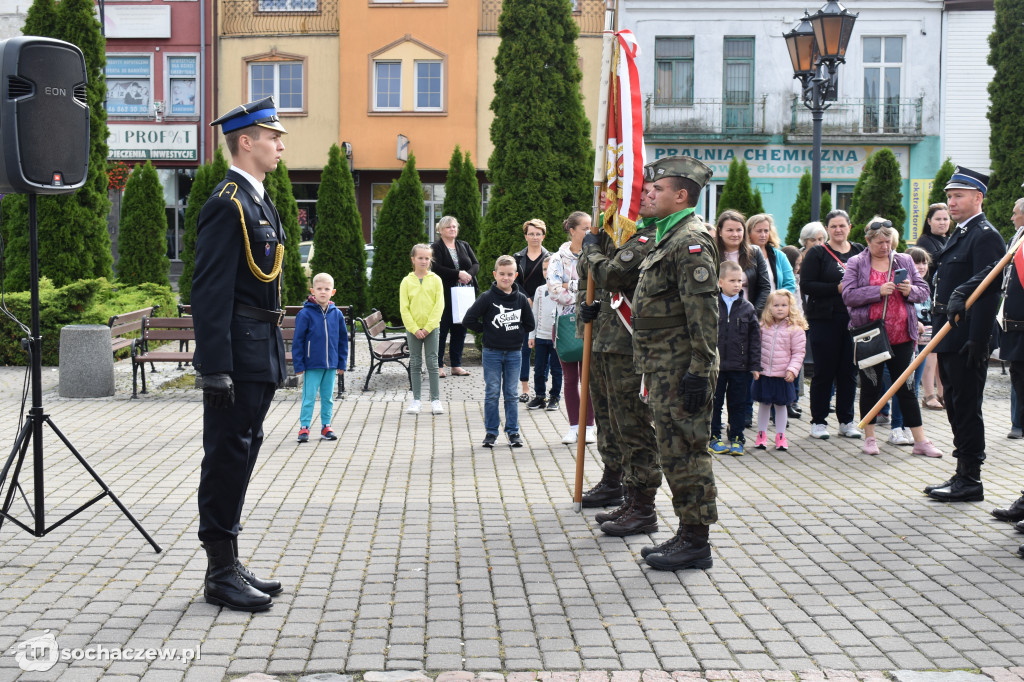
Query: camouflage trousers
pixel 625 435
pixel 683 447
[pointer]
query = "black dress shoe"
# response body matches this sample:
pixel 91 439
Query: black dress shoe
pixel 1020 550
pixel 1013 513
pixel 963 489
pixel 794 411
pixel 1019 526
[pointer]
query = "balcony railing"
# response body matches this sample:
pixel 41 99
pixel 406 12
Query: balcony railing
pixel 705 116
pixel 861 117
pixel 589 16
pixel 278 17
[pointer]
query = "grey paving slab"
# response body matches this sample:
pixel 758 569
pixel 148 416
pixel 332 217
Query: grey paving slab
pixel 405 546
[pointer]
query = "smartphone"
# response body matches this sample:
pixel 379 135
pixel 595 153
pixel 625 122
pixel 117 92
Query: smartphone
pixel 899 275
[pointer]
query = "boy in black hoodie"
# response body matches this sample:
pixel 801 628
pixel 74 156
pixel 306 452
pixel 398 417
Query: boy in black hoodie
pixel 503 314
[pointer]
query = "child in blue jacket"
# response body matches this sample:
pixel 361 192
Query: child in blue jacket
pixel 320 348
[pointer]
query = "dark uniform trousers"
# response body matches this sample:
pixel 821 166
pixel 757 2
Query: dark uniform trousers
pixel 964 391
pixel 625 437
pixel 231 440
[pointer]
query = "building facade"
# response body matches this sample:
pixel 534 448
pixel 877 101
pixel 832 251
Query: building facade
pixel 718 85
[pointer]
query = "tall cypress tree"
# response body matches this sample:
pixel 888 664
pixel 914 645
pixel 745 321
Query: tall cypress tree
pixel 737 194
pixel 881 194
pixel 1006 92
pixel 279 187
pixel 462 197
pixel 41 19
pixel 399 228
pixel 800 213
pixel 142 248
pixel 208 176
pixel 338 246
pixel 543 163
pixel 938 193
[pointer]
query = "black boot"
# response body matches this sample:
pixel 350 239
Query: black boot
pixel 661 547
pixel 606 493
pixel 641 518
pixel 224 584
pixel 1013 513
pixel 271 587
pixel 794 411
pixel 627 502
pixel 692 550
pixel 1019 526
pixel 966 486
pixel 945 484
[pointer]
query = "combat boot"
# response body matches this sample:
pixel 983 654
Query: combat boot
pixel 966 486
pixel 1014 513
pixel 692 551
pixel 225 586
pixel 606 493
pixel 271 587
pixel 641 518
pixel 682 535
pixel 945 484
pixel 627 502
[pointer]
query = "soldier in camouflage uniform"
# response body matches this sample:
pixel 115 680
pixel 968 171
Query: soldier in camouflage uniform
pixel 675 340
pixel 625 433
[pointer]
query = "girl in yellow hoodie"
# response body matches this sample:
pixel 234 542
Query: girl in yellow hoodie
pixel 421 300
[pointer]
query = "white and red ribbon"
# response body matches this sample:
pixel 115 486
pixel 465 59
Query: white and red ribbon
pixel 625 155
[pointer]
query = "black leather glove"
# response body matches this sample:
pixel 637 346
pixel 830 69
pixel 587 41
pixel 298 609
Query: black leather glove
pixel 976 353
pixel 588 313
pixel 591 238
pixel 694 392
pixel 956 309
pixel 218 390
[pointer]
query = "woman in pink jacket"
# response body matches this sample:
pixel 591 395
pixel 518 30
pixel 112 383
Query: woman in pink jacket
pixel 872 276
pixel 783 346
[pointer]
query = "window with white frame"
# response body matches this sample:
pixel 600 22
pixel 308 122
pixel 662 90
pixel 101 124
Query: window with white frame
pixel 182 84
pixel 288 6
pixel 284 80
pixel 377 193
pixel 673 59
pixel 387 86
pixel 129 85
pixel 883 66
pixel 428 86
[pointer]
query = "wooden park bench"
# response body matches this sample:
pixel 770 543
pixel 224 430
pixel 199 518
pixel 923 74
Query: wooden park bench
pixel 160 329
pixel 124 324
pixel 383 348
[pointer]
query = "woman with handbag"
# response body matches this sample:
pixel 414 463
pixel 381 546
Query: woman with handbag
pixel 881 287
pixel 828 338
pixel 562 283
pixel 456 265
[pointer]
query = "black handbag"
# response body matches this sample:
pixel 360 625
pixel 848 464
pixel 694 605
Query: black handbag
pixel 870 342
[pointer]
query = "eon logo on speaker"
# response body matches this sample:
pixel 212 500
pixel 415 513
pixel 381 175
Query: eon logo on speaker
pixel 57 92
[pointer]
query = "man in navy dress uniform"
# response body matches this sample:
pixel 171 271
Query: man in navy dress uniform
pixel 963 353
pixel 236 307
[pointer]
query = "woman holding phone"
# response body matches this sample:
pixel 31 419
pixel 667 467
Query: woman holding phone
pixel 879 281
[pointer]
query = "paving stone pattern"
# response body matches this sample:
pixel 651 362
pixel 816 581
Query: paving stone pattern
pixel 405 546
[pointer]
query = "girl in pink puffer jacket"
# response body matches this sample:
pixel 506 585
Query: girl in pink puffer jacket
pixel 783 346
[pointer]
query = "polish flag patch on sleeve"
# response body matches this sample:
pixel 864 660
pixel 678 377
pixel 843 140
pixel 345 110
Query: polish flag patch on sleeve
pixel 642 240
pixel 695 248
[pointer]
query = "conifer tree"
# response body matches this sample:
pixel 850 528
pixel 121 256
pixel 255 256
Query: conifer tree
pixel 737 194
pixel 858 190
pixel 937 195
pixel 338 246
pixel 881 194
pixel 800 213
pixel 1006 92
pixel 73 239
pixel 399 228
pixel 462 197
pixel 142 247
pixel 758 202
pixel 279 187
pixel 542 165
pixel 208 176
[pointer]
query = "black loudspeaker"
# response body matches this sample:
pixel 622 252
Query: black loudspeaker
pixel 44 116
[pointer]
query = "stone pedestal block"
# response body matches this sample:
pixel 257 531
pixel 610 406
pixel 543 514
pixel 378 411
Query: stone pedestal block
pixel 86 362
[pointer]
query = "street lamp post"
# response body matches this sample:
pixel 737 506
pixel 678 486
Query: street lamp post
pixel 817 46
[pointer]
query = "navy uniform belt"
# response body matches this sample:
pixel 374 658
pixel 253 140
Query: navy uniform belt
pixel 1013 325
pixel 938 308
pixel 641 323
pixel 275 317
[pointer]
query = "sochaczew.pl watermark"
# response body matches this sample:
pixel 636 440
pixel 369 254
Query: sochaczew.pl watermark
pixel 41 653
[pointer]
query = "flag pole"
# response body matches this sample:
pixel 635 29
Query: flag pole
pixel 995 273
pixel 608 41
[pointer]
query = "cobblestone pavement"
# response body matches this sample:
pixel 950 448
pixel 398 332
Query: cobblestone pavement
pixel 405 546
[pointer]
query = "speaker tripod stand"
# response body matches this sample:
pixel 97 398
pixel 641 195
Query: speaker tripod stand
pixel 32 431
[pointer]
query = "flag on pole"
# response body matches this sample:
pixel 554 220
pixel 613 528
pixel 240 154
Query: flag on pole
pixel 624 155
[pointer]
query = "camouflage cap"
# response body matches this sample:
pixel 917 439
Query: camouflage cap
pixel 679 166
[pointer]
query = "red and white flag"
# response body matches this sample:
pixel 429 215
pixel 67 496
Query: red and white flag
pixel 625 155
